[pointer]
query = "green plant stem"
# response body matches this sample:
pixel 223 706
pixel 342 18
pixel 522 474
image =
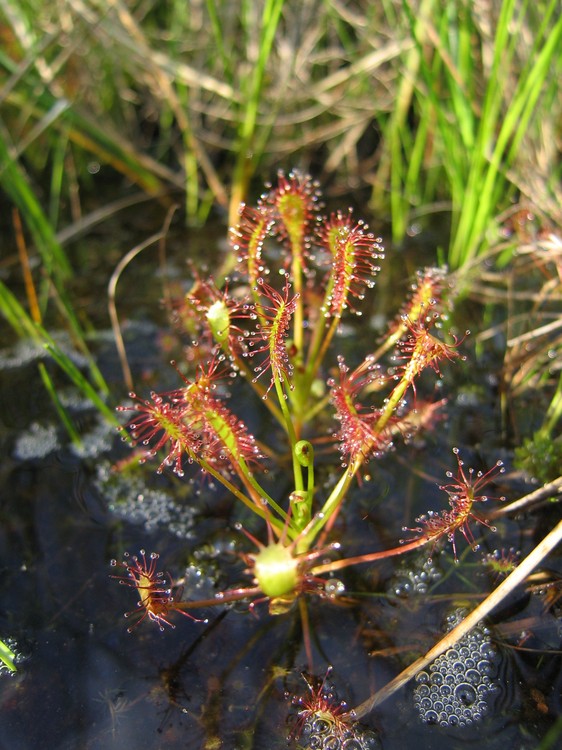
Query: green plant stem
pixel 391 405
pixel 301 501
pixel 257 387
pixel 61 411
pixel 333 503
pixel 298 316
pixel 319 346
pixel 246 476
pixel 297 469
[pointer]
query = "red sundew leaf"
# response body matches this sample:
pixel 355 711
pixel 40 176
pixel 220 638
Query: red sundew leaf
pixel 160 424
pixel 247 238
pixel 224 438
pixel 354 255
pixel 501 562
pixel 275 321
pixel 156 600
pixel 467 484
pixel 294 205
pixel 462 494
pixel 357 433
pixel 193 422
pixel 320 704
pixel 422 349
pixel 425 415
pixel 426 299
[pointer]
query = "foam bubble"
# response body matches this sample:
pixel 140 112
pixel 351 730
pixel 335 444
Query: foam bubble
pixel 36 442
pixel 453 690
pixel 128 497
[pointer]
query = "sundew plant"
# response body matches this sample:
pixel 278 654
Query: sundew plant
pixel 275 322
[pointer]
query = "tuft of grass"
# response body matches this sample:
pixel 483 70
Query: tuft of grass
pixel 194 100
pixel 508 114
pixel 473 100
pixel 442 105
pixel 259 30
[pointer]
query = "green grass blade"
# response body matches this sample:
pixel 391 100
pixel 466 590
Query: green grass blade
pixel 488 174
pixel 57 179
pixel 64 416
pixel 19 319
pixel 218 37
pixel 246 158
pixel 7 656
pixel 79 380
pixel 16 315
pixel 14 182
pixel 396 165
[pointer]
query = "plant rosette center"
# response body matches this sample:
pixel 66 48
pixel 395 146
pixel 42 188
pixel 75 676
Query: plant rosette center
pixel 276 570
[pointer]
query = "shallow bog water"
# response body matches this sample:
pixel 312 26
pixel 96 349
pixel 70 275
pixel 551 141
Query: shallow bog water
pixel 83 681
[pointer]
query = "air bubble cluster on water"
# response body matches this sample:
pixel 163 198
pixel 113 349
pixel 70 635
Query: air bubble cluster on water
pixel 197 584
pixel 414 579
pixel 37 441
pixel 129 498
pixel 455 689
pixel 27 351
pixel 320 734
pixel 325 729
pixel 98 440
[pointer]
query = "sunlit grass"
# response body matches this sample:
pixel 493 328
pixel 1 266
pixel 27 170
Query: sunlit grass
pixel 476 98
pixel 434 104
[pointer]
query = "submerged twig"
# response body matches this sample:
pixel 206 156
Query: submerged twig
pixel 111 287
pixel 112 308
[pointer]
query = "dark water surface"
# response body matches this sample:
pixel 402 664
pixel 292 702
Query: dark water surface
pixel 83 681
